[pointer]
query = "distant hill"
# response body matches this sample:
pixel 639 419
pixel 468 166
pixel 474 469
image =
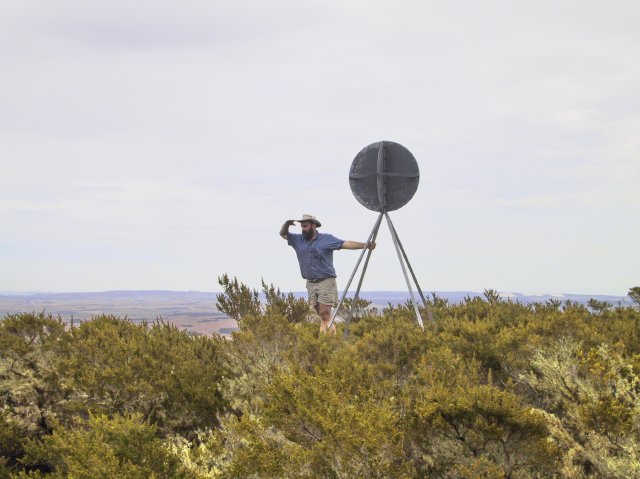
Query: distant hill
pixel 195 310
pixel 395 297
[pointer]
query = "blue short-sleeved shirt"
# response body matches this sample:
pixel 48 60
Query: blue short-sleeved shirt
pixel 315 256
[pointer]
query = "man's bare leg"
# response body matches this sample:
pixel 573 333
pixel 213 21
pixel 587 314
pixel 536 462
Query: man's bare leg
pixel 324 310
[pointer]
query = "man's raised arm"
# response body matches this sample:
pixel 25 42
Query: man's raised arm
pixel 358 245
pixel 285 228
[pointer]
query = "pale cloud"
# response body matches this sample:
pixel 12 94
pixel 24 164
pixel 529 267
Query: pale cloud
pixel 177 137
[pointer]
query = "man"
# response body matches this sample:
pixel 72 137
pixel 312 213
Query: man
pixel 315 256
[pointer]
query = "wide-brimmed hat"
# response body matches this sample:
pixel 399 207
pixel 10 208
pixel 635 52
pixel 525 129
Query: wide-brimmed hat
pixel 310 218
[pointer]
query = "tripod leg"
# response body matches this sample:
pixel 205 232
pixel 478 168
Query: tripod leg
pixel 404 270
pixel 355 297
pixel 374 232
pixel 415 280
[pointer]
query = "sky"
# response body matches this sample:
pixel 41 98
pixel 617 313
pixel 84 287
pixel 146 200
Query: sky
pixel 158 145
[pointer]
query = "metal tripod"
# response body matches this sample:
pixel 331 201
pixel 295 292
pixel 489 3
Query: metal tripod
pixel 401 254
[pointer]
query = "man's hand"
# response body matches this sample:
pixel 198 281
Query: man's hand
pixel 358 245
pixel 285 228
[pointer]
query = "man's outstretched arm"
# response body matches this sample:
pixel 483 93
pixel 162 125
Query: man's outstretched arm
pixel 285 228
pixel 358 245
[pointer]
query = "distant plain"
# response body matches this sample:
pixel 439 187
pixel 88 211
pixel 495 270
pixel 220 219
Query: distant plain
pixel 196 311
pixel 193 311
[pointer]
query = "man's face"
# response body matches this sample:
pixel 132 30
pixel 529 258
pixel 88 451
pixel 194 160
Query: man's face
pixel 308 229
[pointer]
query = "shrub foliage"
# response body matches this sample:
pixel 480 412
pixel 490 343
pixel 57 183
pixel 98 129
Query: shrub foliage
pixel 495 389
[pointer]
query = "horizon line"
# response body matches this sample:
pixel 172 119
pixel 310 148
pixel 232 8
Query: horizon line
pixel 456 291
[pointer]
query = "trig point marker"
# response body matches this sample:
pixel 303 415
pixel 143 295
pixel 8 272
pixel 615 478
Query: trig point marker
pixel 384 176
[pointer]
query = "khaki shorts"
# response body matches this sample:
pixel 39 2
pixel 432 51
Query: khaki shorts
pixel 323 292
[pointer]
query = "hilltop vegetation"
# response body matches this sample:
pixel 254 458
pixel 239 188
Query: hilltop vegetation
pixel 494 389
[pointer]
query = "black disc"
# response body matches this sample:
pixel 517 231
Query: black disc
pixel 384 176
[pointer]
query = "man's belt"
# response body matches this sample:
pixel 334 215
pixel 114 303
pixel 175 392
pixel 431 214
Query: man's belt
pixel 316 280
